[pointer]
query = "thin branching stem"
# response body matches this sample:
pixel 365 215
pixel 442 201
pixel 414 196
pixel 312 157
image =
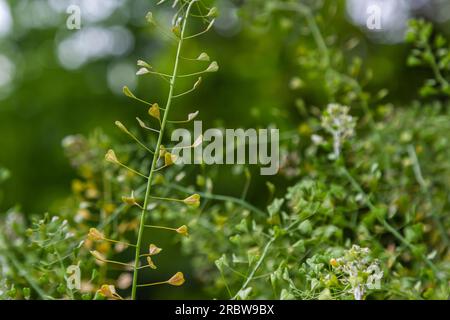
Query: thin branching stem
pixel 152 284
pixel 192 74
pixel 425 190
pixel 166 199
pixel 157 148
pixel 63 269
pixel 184 93
pixel 160 227
pixel 21 269
pixel 132 170
pixel 140 143
pixel 258 264
pixel 119 242
pixel 116 262
pixel 268 245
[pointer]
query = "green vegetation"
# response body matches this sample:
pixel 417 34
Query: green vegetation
pixel 360 206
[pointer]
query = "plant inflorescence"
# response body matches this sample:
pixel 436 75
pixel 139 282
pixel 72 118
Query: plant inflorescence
pixel 358 210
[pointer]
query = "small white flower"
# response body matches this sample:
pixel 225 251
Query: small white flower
pixel 316 139
pixel 340 124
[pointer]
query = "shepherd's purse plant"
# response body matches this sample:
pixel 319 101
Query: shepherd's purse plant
pixel 161 156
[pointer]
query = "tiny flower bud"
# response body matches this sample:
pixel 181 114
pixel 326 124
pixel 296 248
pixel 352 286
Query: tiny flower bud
pixel 213 12
pixel 150 263
pixel 153 250
pixel 192 116
pixel 141 123
pixel 131 200
pixel 111 156
pixel 94 234
pixel 154 111
pixel 177 279
pixel 193 200
pixel 142 71
pixel 169 158
pixel 203 57
pixel 142 63
pixel 333 262
pixel 128 92
pixel 109 291
pixel 183 230
pixel 121 127
pixel 213 67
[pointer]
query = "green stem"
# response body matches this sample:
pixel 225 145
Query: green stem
pixel 120 242
pixel 132 170
pixel 226 284
pixel 258 264
pixel 158 144
pixel 159 227
pixel 151 284
pixel 63 269
pixel 166 199
pixel 116 262
pixel 139 142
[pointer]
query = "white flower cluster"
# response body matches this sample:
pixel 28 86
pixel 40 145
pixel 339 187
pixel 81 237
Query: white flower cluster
pixel 359 271
pixel 340 124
